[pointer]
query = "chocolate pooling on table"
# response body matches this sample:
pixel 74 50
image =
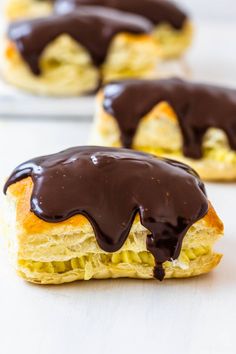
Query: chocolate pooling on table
pixel 93 27
pixel 157 11
pixel 198 107
pixel 110 186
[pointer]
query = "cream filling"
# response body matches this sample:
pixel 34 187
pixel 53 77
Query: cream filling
pixel 91 263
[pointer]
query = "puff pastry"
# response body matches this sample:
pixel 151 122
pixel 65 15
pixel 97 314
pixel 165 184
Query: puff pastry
pixel 172 29
pixel 70 54
pixel 92 212
pixel 190 122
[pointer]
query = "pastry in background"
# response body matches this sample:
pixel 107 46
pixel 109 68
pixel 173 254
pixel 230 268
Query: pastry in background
pixel 190 122
pixel 71 54
pixel 172 27
pixel 93 212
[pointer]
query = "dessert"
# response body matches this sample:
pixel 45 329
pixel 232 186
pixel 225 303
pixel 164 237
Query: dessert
pixel 71 54
pixel 96 212
pixel 190 122
pixel 172 27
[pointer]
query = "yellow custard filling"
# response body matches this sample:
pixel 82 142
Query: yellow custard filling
pixel 218 154
pixel 125 257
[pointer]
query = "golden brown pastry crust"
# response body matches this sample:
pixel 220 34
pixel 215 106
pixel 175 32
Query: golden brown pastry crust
pixel 27 222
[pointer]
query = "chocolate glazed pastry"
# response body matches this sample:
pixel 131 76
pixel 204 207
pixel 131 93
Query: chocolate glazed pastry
pixel 157 11
pixel 198 107
pixel 92 27
pixel 109 187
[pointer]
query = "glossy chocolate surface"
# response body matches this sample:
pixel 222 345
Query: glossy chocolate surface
pixel 110 186
pixel 198 107
pixel 157 11
pixel 93 27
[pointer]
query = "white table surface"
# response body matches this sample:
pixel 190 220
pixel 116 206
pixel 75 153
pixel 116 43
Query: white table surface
pixel 122 316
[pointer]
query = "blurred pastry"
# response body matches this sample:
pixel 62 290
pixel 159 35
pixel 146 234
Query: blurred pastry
pixel 92 212
pixel 70 54
pixel 172 27
pixel 190 122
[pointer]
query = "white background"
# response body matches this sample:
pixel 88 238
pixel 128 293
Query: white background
pixel 126 316
pixel 213 10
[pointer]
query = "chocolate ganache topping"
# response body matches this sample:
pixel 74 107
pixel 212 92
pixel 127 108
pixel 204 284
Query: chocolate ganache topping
pixel 197 106
pixel 157 11
pixel 110 186
pixel 91 26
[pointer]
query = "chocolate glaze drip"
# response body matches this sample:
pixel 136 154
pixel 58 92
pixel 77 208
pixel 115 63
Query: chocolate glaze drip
pixel 110 186
pixel 198 108
pixel 157 11
pixel 93 27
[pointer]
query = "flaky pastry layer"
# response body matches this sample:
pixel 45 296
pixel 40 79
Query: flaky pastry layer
pixel 54 253
pixel 159 133
pixel 67 68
